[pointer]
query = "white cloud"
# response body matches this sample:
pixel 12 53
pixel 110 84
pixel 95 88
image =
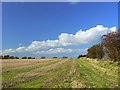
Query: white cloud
pixel 81 37
pixel 55 51
pixel 20 49
pixel 62 51
pixel 7 51
pixel 64 39
pixel 41 45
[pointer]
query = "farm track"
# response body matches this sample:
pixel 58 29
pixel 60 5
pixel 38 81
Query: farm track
pixel 58 73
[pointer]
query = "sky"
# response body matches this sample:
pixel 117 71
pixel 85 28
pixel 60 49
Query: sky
pixel 55 29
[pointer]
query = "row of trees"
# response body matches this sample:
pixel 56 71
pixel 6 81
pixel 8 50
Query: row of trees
pixel 28 57
pixel 14 57
pixel 24 57
pixel 109 47
pixel 53 57
pixel 9 57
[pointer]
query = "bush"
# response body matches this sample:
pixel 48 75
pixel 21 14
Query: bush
pixel 16 57
pixel 95 51
pixel 6 57
pixel 65 57
pixel 31 58
pixel 24 57
pixel 81 56
pixel 111 45
pixel 43 57
pixel 11 57
pixel 55 57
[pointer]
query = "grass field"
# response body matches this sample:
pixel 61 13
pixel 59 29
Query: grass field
pixel 59 73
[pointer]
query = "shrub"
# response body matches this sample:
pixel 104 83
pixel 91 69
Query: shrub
pixel 16 57
pixel 81 56
pixel 6 57
pixel 65 57
pixel 55 57
pixel 31 57
pixel 95 51
pixel 43 57
pixel 11 57
pixel 111 45
pixel 24 57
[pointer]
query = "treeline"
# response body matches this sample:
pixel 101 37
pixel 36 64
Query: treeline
pixel 25 57
pixel 28 57
pixel 15 57
pixel 108 48
pixel 9 57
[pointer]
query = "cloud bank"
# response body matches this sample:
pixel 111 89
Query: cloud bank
pixel 81 37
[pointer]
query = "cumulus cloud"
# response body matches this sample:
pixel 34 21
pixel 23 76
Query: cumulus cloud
pixel 87 36
pixel 64 39
pixel 62 52
pixel 7 51
pixel 55 51
pixel 20 49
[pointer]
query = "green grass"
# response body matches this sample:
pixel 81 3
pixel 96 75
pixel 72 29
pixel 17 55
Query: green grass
pixel 66 73
pixel 94 76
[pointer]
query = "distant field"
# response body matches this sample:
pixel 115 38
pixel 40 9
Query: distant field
pixel 59 73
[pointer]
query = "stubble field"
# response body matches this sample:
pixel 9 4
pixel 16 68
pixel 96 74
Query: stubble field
pixel 59 73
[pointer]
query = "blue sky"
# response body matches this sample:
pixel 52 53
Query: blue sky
pixel 27 27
